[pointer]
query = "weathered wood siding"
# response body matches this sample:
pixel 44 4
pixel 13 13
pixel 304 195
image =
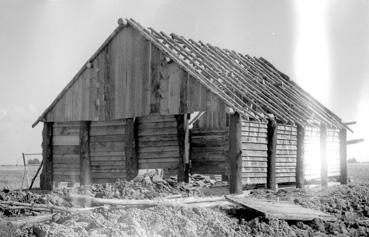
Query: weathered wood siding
pixel 66 164
pixel 215 116
pixel 254 152
pixel 209 137
pixel 286 154
pixel 209 151
pixel 107 157
pixel 333 152
pixel 312 153
pixel 158 143
pixel 132 78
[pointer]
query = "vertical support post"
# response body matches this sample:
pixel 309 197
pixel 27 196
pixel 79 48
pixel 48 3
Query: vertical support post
pixel 130 148
pixel 300 169
pixel 84 153
pixel 323 156
pixel 235 154
pixel 182 135
pixel 25 173
pixel 272 153
pixel 46 177
pixel 343 155
pixel 187 151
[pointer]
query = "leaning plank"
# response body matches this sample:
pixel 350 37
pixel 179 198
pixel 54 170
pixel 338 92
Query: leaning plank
pixel 279 210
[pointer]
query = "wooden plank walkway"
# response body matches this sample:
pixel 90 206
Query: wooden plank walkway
pixel 279 210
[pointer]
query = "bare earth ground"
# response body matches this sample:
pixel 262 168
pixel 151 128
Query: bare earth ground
pixel 349 203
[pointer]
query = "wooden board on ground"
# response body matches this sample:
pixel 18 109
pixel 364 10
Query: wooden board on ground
pixel 279 210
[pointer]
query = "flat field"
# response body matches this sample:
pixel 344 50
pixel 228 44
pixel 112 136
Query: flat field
pixel 358 172
pixel 11 176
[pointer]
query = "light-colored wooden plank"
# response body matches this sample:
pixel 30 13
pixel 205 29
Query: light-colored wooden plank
pixel 280 210
pixel 246 181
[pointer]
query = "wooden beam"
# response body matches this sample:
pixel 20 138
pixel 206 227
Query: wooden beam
pixel 343 155
pixel 84 152
pixel 187 150
pixel 235 153
pixel 350 123
pixel 46 177
pixel 323 156
pixel 355 141
pixel 272 151
pixel 182 135
pixel 130 148
pixel 300 175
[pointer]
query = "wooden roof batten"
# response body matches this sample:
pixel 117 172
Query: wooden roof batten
pixel 251 86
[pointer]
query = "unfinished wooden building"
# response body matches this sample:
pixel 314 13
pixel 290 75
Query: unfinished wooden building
pixel 147 100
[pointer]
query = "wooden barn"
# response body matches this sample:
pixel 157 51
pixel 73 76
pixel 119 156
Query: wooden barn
pixel 148 100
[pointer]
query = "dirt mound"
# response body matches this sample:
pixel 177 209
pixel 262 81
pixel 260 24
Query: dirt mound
pixel 349 203
pixel 154 221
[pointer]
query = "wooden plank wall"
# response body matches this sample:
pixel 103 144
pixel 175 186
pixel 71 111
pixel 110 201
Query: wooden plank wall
pixel 209 151
pixel 286 154
pixel 158 143
pixel 312 153
pixel 132 78
pixel 333 152
pixel 66 165
pixel 254 152
pixel 107 153
pixel 215 116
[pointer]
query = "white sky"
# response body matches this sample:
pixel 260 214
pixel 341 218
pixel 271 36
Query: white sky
pixel 324 47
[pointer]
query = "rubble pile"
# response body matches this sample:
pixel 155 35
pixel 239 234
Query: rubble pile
pixel 349 203
pixel 29 197
pixel 148 186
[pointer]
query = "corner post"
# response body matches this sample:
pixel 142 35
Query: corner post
pixel 235 154
pixel 300 175
pixel 343 155
pixel 84 152
pixel 46 177
pixel 323 156
pixel 130 148
pixel 272 153
pixel 187 151
pixel 182 137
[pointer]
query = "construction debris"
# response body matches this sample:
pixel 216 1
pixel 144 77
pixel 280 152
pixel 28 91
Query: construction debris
pixel 179 215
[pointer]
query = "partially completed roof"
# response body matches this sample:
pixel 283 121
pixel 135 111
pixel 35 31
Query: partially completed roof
pixel 249 85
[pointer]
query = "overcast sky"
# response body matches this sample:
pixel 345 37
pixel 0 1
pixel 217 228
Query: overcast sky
pixel 322 45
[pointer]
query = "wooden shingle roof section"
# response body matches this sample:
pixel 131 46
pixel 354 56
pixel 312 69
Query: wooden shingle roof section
pixel 249 85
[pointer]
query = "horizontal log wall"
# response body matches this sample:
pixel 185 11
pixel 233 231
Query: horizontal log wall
pixel 66 162
pixel 312 153
pixel 254 152
pixel 286 154
pixel 158 143
pixel 209 151
pixel 130 78
pixel 107 151
pixel 333 152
